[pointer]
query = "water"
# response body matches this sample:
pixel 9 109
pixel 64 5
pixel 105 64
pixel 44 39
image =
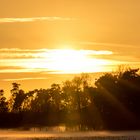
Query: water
pixel 59 134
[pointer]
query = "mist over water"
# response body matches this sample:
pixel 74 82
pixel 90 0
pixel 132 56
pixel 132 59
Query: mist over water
pixel 57 133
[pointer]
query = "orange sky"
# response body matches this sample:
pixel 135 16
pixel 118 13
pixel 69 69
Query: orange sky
pixel 33 31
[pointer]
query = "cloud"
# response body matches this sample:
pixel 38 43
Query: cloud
pixel 23 79
pixel 105 44
pixel 52 61
pixel 17 60
pixel 101 52
pixel 12 53
pixel 33 19
pixel 23 70
pixel 20 50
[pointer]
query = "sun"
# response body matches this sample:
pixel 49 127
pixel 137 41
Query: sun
pixel 74 61
pixel 69 61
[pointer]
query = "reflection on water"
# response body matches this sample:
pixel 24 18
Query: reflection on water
pixel 60 128
pixel 65 133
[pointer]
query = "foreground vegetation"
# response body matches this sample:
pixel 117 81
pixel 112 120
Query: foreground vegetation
pixel 111 103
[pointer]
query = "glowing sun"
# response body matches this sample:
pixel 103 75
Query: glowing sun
pixel 70 61
pixel 74 61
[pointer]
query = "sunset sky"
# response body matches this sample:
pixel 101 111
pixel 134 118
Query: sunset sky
pixel 43 41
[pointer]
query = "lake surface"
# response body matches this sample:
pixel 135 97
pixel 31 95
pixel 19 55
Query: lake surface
pixel 36 134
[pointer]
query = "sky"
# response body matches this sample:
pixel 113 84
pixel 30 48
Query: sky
pixel 46 41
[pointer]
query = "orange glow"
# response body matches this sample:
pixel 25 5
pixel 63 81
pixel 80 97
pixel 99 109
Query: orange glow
pixel 70 61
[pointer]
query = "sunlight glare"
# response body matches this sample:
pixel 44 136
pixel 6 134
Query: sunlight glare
pixel 74 61
pixel 70 61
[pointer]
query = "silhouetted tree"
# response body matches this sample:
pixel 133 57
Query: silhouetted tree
pixel 120 94
pixel 17 98
pixel 3 102
pixel 111 103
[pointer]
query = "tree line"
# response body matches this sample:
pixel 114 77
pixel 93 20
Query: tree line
pixel 112 103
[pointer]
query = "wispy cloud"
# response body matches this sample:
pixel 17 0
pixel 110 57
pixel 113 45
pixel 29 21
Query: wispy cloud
pixel 50 61
pixel 101 52
pixel 21 50
pixel 41 53
pixel 23 79
pixel 92 43
pixel 33 19
pixel 22 70
pixel 17 60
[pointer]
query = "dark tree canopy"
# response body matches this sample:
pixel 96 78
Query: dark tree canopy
pixel 111 103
